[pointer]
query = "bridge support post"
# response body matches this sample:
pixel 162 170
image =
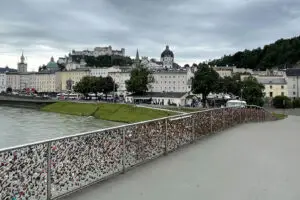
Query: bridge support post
pixel 166 137
pixel 49 171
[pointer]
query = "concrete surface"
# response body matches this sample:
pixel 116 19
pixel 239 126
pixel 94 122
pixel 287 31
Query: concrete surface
pixel 249 162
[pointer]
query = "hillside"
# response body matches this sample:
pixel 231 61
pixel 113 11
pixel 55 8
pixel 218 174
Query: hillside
pixel 284 52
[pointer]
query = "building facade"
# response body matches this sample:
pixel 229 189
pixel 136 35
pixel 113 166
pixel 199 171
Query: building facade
pixel 73 76
pixel 274 86
pixel 3 85
pixel 103 71
pixel 45 82
pixel 293 82
pixel 171 80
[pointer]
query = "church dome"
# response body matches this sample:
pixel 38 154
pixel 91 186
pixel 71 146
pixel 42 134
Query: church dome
pixel 52 64
pixel 167 53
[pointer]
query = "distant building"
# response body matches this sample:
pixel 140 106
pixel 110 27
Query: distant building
pixel 100 51
pixel 293 82
pixel 74 76
pixel 159 98
pixel 3 85
pixel 167 58
pixel 22 66
pixel 103 71
pixel 52 65
pixel 274 85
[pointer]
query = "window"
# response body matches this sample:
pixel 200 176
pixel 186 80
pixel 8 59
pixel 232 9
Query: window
pixel 271 94
pixel 294 86
pixel 282 93
pixel 294 93
pixel 294 78
pixel 282 87
pixel 271 87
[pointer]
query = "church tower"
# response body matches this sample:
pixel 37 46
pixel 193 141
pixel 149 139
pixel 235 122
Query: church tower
pixel 167 58
pixel 137 59
pixel 22 66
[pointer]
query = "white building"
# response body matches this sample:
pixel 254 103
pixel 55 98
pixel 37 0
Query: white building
pixel 104 71
pixel 120 78
pixel 274 85
pixel 224 71
pixel 45 82
pixel 172 80
pixel 293 82
pixel 13 80
pixel 151 64
pixel 3 82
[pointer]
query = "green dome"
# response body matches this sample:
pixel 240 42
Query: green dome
pixel 52 64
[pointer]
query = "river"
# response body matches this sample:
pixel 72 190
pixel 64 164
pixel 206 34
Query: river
pixel 20 126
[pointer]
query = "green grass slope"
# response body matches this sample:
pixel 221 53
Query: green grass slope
pixel 112 112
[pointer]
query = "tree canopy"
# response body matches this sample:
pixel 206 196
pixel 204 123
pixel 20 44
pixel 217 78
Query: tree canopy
pixel 104 61
pixel 206 80
pixel 252 91
pixel 282 53
pixel 91 84
pixel 140 80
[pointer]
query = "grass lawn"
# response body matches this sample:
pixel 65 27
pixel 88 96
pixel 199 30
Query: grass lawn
pixel 279 115
pixel 112 112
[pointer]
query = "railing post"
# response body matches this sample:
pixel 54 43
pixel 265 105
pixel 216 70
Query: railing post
pixel 49 171
pixel 123 150
pixel 241 110
pixel 166 136
pixel 211 121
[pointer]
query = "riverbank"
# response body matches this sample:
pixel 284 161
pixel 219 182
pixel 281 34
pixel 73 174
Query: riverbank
pixel 106 111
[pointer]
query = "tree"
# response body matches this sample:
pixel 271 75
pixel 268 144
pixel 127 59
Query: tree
pixel 69 84
pixel 252 91
pixel 140 80
pixel 230 85
pixel 61 66
pixel 9 90
pixel 84 86
pixel 282 102
pixel 206 80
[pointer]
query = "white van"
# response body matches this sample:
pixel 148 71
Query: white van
pixel 236 103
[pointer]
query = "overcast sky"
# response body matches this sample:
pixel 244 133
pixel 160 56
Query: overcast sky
pixel 195 30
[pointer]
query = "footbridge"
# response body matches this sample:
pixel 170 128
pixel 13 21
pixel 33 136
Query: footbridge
pixel 225 153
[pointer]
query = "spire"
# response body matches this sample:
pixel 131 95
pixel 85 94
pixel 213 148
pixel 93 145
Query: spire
pixel 137 58
pixel 22 58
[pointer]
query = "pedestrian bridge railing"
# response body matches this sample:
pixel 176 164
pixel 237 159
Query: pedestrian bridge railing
pixel 55 168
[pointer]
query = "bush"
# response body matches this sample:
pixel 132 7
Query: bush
pixel 282 102
pixel 296 103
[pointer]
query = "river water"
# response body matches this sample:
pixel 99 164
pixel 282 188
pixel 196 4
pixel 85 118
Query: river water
pixel 20 126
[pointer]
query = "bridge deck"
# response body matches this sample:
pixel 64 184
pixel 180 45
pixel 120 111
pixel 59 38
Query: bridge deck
pixel 249 162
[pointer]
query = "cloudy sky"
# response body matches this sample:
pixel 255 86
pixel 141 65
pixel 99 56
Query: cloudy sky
pixel 195 30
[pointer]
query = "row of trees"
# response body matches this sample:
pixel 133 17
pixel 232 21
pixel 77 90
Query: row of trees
pixel 282 53
pixel 91 84
pixel 104 61
pixel 205 81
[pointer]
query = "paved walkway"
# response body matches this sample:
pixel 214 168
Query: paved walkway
pixel 249 162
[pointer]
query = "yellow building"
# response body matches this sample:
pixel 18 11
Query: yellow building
pixel 45 82
pixel 274 86
pixel 74 76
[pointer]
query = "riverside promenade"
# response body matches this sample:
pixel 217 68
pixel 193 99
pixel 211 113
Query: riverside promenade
pixel 256 161
pixel 65 166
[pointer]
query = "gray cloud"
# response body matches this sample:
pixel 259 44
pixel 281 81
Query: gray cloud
pixel 195 30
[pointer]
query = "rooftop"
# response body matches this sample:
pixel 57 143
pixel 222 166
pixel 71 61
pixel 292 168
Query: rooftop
pixel 272 81
pixel 293 72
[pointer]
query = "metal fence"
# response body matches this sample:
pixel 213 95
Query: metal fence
pixel 54 168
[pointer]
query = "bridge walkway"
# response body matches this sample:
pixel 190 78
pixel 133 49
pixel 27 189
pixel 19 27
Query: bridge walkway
pixel 248 162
